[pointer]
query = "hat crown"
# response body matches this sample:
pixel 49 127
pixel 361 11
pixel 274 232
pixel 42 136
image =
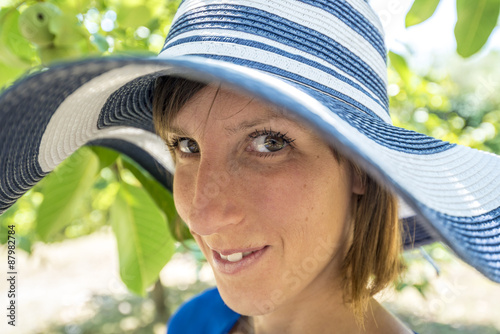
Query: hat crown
pixel 334 47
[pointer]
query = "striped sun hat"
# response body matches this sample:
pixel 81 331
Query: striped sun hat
pixel 323 60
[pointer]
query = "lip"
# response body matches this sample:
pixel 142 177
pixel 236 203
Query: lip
pixel 232 268
pixel 227 252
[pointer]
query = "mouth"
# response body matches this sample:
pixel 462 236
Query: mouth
pixel 235 256
pixel 234 261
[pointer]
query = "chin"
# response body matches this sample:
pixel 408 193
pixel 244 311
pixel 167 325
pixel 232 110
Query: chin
pixel 249 302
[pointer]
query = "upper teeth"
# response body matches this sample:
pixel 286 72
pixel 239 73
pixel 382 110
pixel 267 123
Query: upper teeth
pixel 235 257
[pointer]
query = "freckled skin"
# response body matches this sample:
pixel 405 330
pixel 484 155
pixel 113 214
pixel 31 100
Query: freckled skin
pixel 295 201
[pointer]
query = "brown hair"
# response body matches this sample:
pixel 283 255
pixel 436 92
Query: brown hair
pixel 373 260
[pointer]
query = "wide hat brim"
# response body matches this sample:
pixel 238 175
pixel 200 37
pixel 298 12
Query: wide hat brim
pixel 452 190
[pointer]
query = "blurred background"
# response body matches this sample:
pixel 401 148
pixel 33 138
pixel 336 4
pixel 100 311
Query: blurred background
pixel 74 268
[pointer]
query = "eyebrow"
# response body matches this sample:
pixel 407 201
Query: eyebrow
pixel 245 125
pixel 271 113
pixel 173 130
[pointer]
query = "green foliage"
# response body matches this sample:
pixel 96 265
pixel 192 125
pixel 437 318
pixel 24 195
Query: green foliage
pixel 133 16
pixel 163 199
pixel 16 53
pixel 64 191
pixel 144 243
pixel 106 156
pixel 76 199
pixel 420 11
pixel 400 64
pixel 459 105
pixel 38 33
pixel 476 21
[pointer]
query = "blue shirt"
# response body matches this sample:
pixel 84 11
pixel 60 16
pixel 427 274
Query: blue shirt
pixel 204 314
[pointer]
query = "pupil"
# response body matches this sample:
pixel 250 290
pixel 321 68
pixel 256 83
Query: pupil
pixel 192 146
pixel 274 144
pixel 40 17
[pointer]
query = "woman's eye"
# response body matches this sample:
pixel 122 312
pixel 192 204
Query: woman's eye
pixel 187 145
pixel 268 142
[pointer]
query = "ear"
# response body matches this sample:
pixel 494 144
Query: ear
pixel 358 181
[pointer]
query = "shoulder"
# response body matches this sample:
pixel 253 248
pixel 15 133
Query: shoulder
pixel 205 313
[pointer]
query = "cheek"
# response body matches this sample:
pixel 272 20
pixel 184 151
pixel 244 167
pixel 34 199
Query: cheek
pixel 183 190
pixel 303 206
pixel 283 202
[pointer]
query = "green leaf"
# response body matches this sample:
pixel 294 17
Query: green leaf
pixel 67 30
pixel 15 50
pixel 475 22
pixel 420 11
pixel 24 243
pixel 399 63
pixel 74 7
pixel 133 16
pixel 9 74
pixel 53 53
pixel 64 190
pixel 106 155
pixel 154 24
pixel 144 243
pixel 162 197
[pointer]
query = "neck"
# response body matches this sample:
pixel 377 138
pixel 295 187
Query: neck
pixel 322 313
pixel 316 314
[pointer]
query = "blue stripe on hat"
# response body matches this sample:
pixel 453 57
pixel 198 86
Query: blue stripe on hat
pixel 485 258
pixel 296 80
pixel 485 225
pixel 269 48
pixel 351 17
pixel 480 233
pixel 287 32
pixel 405 141
pixel 135 109
pixel 394 138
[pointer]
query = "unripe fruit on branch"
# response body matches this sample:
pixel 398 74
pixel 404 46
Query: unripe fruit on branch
pixel 34 23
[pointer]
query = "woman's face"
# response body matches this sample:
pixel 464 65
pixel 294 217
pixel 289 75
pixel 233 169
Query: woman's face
pixel 264 197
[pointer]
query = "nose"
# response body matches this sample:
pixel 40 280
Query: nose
pixel 214 203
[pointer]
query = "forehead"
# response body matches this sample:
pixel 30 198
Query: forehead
pixel 235 110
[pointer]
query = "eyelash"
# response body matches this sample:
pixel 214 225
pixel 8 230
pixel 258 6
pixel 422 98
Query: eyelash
pixel 173 143
pixel 265 132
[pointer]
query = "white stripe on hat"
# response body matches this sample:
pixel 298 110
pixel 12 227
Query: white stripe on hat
pixel 81 113
pixel 311 17
pixel 284 47
pixel 262 56
pixel 364 9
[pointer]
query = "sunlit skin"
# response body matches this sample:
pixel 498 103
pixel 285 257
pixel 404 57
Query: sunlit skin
pixel 241 184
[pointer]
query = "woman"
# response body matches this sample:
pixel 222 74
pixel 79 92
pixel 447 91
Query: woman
pixel 287 168
pixel 288 225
